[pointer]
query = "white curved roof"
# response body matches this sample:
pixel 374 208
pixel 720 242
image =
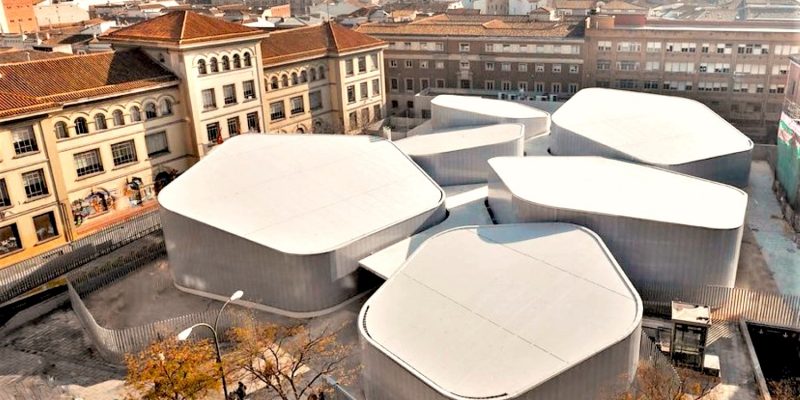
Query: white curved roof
pixel 610 187
pixel 302 194
pixel 460 139
pixel 494 311
pixel 651 128
pixel 489 107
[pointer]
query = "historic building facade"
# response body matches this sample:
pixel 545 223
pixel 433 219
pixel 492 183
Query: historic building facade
pixel 323 79
pixel 87 140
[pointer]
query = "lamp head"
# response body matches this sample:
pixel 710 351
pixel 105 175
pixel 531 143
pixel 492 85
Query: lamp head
pixel 237 295
pixel 185 334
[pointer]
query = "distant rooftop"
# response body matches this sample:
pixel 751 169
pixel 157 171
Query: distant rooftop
pixel 478 25
pixel 16 56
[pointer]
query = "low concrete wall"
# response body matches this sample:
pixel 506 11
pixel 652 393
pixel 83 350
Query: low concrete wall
pixel 761 382
pixel 766 152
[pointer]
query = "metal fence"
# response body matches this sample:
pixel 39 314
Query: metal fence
pixel 29 274
pixel 727 304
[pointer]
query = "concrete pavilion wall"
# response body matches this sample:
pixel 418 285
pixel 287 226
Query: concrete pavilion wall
pixel 648 251
pixel 384 378
pixel 731 169
pixel 466 166
pixel 444 117
pixel 210 262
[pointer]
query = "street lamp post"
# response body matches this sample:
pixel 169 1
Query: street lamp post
pixel 188 331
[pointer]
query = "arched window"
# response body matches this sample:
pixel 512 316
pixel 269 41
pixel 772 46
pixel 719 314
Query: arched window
pixel 201 67
pixel 81 126
pixel 150 110
pixel 321 72
pixel 119 119
pixel 136 114
pixel 226 63
pixel 303 76
pixel 247 59
pixel 237 61
pixel 61 130
pixel 313 74
pixel 294 78
pixel 213 66
pixel 100 122
pixel 166 107
pixel 285 80
pixel 273 84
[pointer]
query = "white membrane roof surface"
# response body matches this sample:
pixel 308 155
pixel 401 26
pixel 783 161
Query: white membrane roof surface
pixel 460 139
pixel 302 194
pixel 655 129
pixel 510 302
pixel 610 187
pixel 491 107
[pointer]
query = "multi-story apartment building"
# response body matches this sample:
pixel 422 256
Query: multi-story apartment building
pixel 737 69
pixel 17 16
pixel 218 65
pixel 480 54
pixel 323 78
pixel 84 139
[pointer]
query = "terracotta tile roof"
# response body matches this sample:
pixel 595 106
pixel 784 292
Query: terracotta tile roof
pixel 621 5
pixel 7 57
pixel 181 27
pixel 59 80
pixel 574 4
pixel 477 25
pixel 12 104
pixel 319 40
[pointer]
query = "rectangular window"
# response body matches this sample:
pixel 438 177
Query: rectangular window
pixel 233 126
pixel 627 65
pixel 505 67
pixel 45 226
pixel 629 47
pixel 424 83
pixel 213 132
pixel 88 163
pixel 230 94
pixel 156 143
pixel 376 87
pixel 351 94
pixel 392 63
pixel 440 83
pixel 353 120
pixel 315 100
pixel 573 88
pixel 296 105
pixel 249 89
pixel 5 200
pixel 9 239
pixel 348 67
pixel 573 68
pixel 653 47
pixel 603 65
pixel 651 84
pixel 556 68
pixel 489 66
pixel 626 84
pixel 409 85
pixel 24 140
pixel 488 85
pixel 409 63
pixel 539 67
pixel 364 90
pixel 376 111
pixel 439 46
pixel 209 100
pixel 463 65
pixel 423 64
pixel 123 153
pixel 276 111
pixel 463 47
pixel 373 58
pixel 538 87
pixel 505 85
pixel 440 65
pixel 489 48
pixel 362 64
pixel 522 86
pixel 522 67
pixel 556 87
pixel 394 85
pixel 604 45
pixel 602 84
pixel 653 66
pixel 252 122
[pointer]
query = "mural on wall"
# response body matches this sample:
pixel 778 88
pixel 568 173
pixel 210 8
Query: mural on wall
pixel 97 202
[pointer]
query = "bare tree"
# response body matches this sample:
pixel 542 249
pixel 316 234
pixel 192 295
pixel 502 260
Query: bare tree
pixel 291 361
pixel 659 382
